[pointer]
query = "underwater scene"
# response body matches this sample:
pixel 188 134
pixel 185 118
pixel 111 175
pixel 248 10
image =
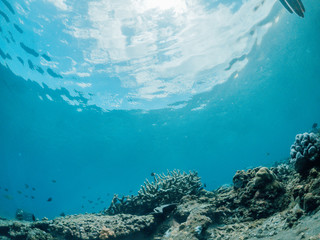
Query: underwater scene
pixel 146 119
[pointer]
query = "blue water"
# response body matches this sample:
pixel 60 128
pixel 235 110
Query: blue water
pixel 62 135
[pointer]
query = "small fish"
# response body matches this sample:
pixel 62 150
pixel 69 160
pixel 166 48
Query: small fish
pixel 90 201
pixel 26 185
pixel 82 206
pixel 152 174
pixel 268 154
pixel 32 197
pixel 6 189
pixel 98 198
pixel 62 214
pixel 204 185
pixel 49 199
pixel 33 218
pixel 315 125
pixel 26 196
pixel 54 181
pixel 19 192
pixel 84 197
pixel 33 189
pixel 9 197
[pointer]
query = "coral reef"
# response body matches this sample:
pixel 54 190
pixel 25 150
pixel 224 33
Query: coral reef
pixel 263 203
pixel 307 191
pixel 22 230
pixel 106 233
pixel 23 215
pixel 260 194
pixel 305 152
pixel 82 226
pixel 166 189
pixel 260 205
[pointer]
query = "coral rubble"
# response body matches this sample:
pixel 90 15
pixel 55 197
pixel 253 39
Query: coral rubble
pixel 106 233
pixel 82 226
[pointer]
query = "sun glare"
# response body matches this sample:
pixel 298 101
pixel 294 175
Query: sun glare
pixel 177 5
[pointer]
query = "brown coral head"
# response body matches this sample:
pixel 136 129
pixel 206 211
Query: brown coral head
pixel 263 176
pixel 106 233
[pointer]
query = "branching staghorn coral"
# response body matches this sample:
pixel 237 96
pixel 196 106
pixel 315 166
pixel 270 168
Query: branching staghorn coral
pixel 165 189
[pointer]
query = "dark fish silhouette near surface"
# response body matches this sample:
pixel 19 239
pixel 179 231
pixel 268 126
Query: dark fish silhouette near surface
pixel 315 125
pixel 294 6
pixel 49 199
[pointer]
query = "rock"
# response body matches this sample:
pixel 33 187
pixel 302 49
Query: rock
pixel 263 177
pixel 106 233
pixel 301 163
pixel 241 179
pixel 311 202
pixel 257 193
